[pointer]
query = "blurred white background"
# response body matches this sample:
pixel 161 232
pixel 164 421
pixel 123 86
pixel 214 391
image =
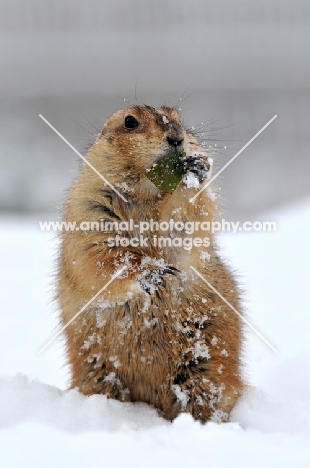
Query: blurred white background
pixel 240 61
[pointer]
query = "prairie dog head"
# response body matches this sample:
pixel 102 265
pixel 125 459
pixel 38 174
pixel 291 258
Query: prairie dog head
pixel 139 136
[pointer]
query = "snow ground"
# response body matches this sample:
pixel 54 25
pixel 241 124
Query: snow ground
pixel 42 425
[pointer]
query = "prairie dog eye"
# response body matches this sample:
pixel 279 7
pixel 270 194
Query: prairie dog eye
pixel 131 122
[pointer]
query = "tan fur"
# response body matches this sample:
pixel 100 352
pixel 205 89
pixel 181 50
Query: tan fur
pixel 177 347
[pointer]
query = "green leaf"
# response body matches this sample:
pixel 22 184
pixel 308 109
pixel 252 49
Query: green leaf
pixel 168 172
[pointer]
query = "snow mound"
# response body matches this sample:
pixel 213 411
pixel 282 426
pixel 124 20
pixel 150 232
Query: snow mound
pixel 257 410
pixel 22 400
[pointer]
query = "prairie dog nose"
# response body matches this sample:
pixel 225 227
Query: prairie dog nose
pixel 175 136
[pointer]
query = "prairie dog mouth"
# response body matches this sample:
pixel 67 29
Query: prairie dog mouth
pixel 169 153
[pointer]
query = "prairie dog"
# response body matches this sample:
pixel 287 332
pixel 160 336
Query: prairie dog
pixel 157 334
